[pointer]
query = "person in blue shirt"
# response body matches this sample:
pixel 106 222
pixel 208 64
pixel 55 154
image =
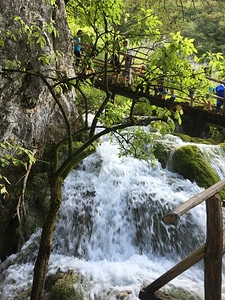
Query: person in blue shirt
pixel 77 46
pixel 220 92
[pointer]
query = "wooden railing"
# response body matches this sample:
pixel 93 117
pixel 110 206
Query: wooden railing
pixel 202 101
pixel 212 251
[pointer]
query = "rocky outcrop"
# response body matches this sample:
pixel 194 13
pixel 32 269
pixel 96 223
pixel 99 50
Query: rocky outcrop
pixel 28 112
pixel 189 162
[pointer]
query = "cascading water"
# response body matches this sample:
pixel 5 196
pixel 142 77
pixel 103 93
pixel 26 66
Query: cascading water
pixel 110 227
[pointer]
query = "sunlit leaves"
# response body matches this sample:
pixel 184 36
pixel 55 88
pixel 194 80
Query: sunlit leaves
pixel 49 59
pixel 13 64
pixel 32 32
pixel 2 42
pixel 215 62
pixel 92 101
pixel 32 35
pixel 50 28
pixel 136 142
pixel 92 13
pixel 11 151
pixel 51 2
pixel 116 112
pixel 15 155
pixel 177 67
pixel 143 24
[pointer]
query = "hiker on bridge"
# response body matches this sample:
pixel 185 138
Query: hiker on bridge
pixel 77 46
pixel 160 89
pixel 220 93
pixel 115 62
pixel 127 58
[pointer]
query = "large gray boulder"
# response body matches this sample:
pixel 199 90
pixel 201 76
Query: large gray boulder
pixel 28 113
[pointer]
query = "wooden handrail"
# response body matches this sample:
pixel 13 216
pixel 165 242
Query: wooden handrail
pixel 212 251
pixel 175 271
pixel 194 201
pixel 203 101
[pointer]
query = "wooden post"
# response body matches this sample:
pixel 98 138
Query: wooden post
pixel 209 105
pixel 214 248
pixel 148 292
pixel 191 102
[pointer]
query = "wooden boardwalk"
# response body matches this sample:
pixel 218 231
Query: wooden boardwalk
pixel 198 114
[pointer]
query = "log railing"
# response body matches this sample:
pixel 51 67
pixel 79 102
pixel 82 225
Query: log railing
pixel 206 103
pixel 212 251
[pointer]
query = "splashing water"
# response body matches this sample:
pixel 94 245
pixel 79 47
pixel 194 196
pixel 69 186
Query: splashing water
pixel 110 228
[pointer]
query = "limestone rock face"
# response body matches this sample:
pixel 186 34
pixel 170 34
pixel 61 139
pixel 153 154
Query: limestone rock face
pixel 28 113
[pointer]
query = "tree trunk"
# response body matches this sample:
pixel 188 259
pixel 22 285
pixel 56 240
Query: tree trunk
pixel 41 265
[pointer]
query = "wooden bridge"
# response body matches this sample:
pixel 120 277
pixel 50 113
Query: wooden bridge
pixel 212 251
pixel 198 114
pixel 200 111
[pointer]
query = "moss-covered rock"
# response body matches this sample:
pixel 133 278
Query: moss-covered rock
pixel 190 163
pixel 184 137
pixel 162 153
pixel 191 139
pixel 181 294
pixel 25 295
pixel 67 287
pixel 222 145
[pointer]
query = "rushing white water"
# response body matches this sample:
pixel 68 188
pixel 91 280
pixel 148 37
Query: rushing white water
pixel 110 228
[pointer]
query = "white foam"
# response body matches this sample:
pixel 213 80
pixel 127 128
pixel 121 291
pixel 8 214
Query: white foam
pixel 117 204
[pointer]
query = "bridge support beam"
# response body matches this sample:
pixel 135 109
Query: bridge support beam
pixel 214 248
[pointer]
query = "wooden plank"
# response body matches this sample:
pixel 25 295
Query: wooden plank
pixel 194 201
pixel 182 266
pixel 213 249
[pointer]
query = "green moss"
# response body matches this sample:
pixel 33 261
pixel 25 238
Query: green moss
pixel 198 140
pixel 25 295
pixel 162 153
pixel 179 293
pixel 64 288
pixel 222 145
pixel 189 162
pixel 184 137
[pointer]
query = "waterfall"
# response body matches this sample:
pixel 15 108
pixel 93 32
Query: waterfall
pixel 110 227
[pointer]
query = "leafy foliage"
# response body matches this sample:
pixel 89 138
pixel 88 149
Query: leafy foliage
pixel 34 35
pixel 15 155
pixel 136 142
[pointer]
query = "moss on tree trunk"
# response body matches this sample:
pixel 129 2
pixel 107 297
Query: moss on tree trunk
pixel 41 265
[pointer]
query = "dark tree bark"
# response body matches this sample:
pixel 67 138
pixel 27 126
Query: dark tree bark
pixel 41 265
